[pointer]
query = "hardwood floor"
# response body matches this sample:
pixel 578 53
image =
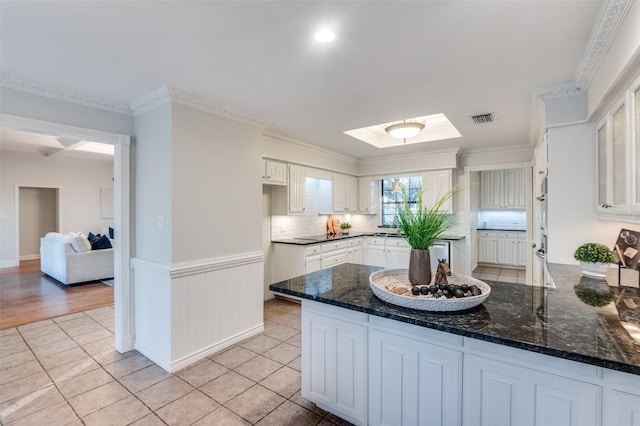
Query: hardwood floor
pixel 27 295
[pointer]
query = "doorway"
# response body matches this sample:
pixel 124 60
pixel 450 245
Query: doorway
pixel 123 315
pixel 38 214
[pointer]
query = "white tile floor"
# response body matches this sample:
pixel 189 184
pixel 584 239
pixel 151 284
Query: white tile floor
pixel 496 273
pixel 65 371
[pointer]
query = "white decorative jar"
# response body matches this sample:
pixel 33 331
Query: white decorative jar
pixel 597 269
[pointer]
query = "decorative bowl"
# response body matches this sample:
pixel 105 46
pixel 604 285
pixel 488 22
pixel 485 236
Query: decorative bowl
pixel 400 277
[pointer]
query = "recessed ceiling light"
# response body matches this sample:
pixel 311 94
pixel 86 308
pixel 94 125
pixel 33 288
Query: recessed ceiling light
pixel 325 36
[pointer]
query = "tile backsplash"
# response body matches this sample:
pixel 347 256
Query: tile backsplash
pixel 502 219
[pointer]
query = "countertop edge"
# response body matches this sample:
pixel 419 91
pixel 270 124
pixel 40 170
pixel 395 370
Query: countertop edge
pixel 302 241
pixel 558 353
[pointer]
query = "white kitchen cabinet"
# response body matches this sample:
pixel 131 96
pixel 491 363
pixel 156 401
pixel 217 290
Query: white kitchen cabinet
pixel 274 172
pixel 618 158
pixel 297 183
pixel 334 254
pixel 435 184
pixel 312 264
pixel 503 189
pixel 621 399
pixel 344 193
pixel 487 246
pixel 498 393
pixel 412 382
pixel 390 253
pixel 368 195
pixel 355 251
pixel 334 360
pixel 502 247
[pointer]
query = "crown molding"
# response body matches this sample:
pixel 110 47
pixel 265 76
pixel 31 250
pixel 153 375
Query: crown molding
pixel 538 96
pixel 557 91
pixel 494 150
pixel 411 156
pixel 37 88
pixel 611 16
pixel 167 94
pixel 303 145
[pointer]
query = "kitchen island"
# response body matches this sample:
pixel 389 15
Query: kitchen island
pixel 527 355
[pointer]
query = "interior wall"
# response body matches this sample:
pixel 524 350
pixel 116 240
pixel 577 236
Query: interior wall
pixel 217 186
pixel 79 179
pixel 38 216
pixel 153 166
pixel 24 104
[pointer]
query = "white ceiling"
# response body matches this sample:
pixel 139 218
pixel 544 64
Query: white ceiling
pixel 390 60
pixel 47 145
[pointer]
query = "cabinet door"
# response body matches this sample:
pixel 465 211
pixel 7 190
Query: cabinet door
pixel 356 255
pixel 622 408
pixel 521 250
pixel 334 365
pixel 491 190
pixel 376 255
pixel 507 251
pixel 351 194
pixel 312 264
pixel 514 189
pixel 296 189
pixel 275 172
pixel 495 393
pixel 435 184
pixel 412 382
pixel 368 196
pixel 339 194
pixel 487 248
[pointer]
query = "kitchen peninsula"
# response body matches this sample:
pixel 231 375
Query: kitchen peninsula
pixel 527 355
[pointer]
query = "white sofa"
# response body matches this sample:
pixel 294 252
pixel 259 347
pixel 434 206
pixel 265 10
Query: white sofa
pixel 66 258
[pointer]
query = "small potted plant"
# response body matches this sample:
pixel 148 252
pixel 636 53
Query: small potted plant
pixel 345 226
pixel 595 259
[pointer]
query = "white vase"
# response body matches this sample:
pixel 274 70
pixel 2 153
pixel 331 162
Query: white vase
pixel 597 269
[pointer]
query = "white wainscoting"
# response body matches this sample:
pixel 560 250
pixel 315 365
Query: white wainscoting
pixel 185 312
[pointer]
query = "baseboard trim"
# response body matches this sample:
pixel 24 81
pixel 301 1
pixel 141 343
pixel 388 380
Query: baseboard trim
pixel 30 257
pixel 9 263
pixel 187 360
pixel 186 269
pixel 216 347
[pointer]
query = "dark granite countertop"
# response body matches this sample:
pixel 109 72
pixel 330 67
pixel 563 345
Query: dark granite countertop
pixel 503 229
pixel 574 321
pixel 315 239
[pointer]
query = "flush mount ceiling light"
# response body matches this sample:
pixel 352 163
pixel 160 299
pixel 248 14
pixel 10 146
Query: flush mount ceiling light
pixel 325 36
pixel 405 130
pixel 425 128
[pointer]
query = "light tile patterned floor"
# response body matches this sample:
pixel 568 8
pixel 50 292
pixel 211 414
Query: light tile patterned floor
pixel 496 273
pixel 65 371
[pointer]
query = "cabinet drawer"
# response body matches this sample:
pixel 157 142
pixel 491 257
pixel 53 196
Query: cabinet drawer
pixel 355 242
pixel 508 234
pixel 338 245
pixel 487 234
pixel 334 259
pixel 312 250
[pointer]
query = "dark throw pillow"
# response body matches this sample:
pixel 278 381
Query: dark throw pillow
pixel 101 243
pixel 92 238
pixel 111 232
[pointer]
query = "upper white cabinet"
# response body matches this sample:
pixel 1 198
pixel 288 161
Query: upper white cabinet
pixel 618 157
pixel 296 191
pixel 435 184
pixel 368 195
pixel 274 172
pixel 344 193
pixel 503 189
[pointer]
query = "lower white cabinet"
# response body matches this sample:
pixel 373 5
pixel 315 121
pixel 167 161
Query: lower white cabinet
pixel 334 362
pixel 355 251
pixel 372 370
pixel 412 382
pixel 502 247
pixel 497 393
pixel 390 253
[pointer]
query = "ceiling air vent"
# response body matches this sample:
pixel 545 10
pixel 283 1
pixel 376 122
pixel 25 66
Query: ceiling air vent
pixel 483 118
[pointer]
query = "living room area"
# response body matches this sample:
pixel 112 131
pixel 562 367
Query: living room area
pixel 57 195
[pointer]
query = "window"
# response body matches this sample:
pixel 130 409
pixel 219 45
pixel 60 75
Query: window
pixel 394 191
